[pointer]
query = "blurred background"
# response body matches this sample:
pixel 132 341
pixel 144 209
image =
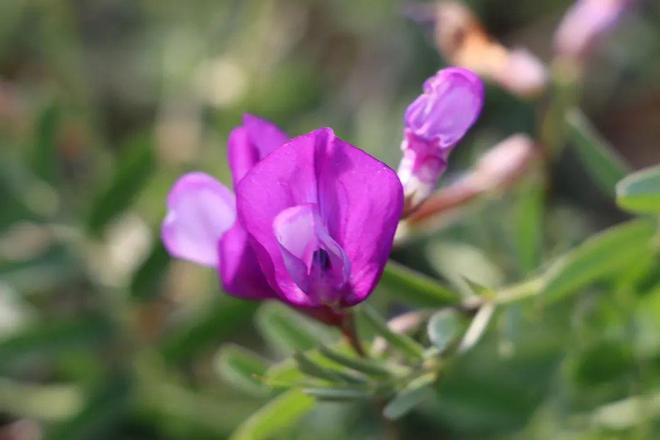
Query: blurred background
pixel 104 103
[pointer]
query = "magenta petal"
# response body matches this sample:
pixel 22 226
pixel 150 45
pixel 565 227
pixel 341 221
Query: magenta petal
pixel 251 142
pixel 200 211
pixel 359 201
pixel 239 271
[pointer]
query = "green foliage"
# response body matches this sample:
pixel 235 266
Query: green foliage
pixel 530 311
pixel 131 175
pixel 640 191
pixel 601 161
pixel 597 258
pixel 275 416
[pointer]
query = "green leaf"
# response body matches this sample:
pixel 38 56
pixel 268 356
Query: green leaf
pixel 336 394
pixel 528 220
pixel 289 331
pixel 130 176
pixel 101 414
pixel 412 395
pixel 314 369
pixel 598 257
pixel 242 368
pixel 640 192
pixel 224 317
pixel 275 416
pixel 146 283
pixel 443 328
pixel 602 162
pixel 44 155
pixel 284 374
pixel 43 402
pixel 365 366
pixel 401 342
pixel 414 287
pixel 48 339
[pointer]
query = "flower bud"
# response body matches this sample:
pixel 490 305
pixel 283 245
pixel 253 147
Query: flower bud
pixel 434 123
pixel 584 23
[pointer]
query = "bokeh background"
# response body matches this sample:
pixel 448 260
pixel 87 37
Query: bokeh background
pixel 104 103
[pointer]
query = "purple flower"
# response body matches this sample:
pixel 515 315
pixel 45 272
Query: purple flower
pixel 201 225
pixel 321 215
pixel 585 22
pixel 434 123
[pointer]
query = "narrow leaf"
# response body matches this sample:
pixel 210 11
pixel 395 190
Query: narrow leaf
pixel 44 154
pixel 414 287
pixel 312 368
pixel 528 220
pixel 338 394
pixel 242 368
pixel 407 399
pixel 130 176
pixel 401 342
pixel 597 257
pixel 365 366
pixel 146 281
pixel 275 416
pixel 640 191
pixel 602 162
pixel 290 331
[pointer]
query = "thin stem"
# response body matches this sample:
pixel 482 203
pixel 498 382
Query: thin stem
pixel 520 291
pixel 349 330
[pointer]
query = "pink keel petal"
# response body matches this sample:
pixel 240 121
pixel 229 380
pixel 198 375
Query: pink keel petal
pixel 200 211
pixel 317 264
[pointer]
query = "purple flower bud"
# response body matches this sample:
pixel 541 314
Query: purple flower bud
pixel 321 215
pixel 201 225
pixel 585 22
pixel 434 123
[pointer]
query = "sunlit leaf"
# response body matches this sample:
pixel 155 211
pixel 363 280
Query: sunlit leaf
pixel 597 258
pixel 275 416
pixel 640 191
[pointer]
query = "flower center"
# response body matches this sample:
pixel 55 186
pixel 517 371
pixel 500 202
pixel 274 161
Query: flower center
pixel 315 261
